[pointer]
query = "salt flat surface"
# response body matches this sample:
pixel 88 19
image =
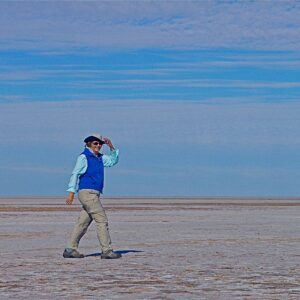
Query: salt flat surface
pixel 172 249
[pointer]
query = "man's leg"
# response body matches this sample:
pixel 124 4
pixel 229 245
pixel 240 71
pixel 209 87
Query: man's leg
pixel 102 228
pixel 91 203
pixel 80 229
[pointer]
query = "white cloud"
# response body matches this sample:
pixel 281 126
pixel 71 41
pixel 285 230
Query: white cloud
pixel 144 24
pixel 199 83
pixel 13 77
pixel 145 122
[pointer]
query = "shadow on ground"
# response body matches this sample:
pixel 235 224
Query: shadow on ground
pixel 117 251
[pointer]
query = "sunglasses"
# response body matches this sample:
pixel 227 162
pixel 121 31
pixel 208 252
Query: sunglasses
pixel 98 143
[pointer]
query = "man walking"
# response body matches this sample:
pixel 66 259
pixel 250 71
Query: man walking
pixel 88 179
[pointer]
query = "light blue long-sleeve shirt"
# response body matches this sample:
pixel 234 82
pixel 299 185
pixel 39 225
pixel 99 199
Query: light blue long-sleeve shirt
pixel 82 164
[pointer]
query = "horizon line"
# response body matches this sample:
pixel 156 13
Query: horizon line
pixel 166 197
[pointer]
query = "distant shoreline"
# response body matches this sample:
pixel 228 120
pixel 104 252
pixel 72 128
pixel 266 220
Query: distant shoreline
pixel 164 197
pixel 56 204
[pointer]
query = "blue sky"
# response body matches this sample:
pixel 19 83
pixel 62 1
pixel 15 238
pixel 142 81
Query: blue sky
pixel 201 98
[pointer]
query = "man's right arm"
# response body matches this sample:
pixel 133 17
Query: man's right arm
pixel 79 169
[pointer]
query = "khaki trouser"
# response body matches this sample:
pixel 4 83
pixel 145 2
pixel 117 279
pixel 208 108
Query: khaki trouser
pixel 92 210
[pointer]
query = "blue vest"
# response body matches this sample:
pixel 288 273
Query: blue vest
pixel 93 178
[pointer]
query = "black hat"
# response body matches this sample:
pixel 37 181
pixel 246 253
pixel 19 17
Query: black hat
pixel 94 137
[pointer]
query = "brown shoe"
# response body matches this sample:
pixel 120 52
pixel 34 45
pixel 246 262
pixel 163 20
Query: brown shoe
pixel 72 253
pixel 110 255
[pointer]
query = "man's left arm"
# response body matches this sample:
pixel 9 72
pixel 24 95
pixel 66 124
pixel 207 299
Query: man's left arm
pixel 111 159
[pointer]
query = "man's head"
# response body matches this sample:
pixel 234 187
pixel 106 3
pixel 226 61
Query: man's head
pixel 94 142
